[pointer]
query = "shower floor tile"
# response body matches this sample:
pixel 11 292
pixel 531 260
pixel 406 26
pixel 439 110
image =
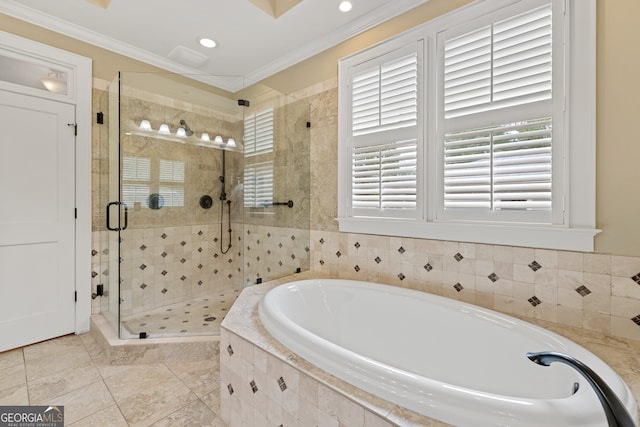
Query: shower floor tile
pixel 199 316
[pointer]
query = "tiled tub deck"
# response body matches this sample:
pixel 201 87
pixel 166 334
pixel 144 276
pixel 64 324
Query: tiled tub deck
pixel 263 383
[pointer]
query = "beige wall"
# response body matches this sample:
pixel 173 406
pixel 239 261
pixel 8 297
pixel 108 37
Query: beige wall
pixel 618 91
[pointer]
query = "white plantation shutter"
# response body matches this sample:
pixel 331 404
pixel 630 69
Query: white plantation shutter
pixel 136 174
pixel 258 133
pixel 503 167
pixel 382 136
pixel 500 65
pixel 384 177
pixel 258 185
pixel 498 79
pixel 172 182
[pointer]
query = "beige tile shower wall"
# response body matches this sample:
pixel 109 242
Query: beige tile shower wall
pixel 272 252
pixel 591 291
pixel 165 265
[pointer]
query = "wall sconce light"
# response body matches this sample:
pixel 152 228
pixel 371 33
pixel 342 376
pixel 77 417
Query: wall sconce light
pixel 181 133
pixel 145 125
pixel 205 137
pixel 164 129
pixel 231 142
pixel 218 140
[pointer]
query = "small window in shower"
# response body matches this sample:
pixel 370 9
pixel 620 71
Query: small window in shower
pixel 136 176
pixel 258 133
pixel 258 185
pixel 172 182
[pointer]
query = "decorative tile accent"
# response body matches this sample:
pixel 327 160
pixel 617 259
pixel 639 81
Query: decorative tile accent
pixel 143 286
pixel 293 237
pixel 230 388
pixel 143 247
pixel 636 319
pixel 164 235
pixel 378 260
pixel 458 287
pixel 321 262
pixel 163 254
pixel 183 278
pixel 282 384
pixel 534 301
pixel 143 266
pixel 636 278
pixel 94 252
pixel 182 261
pixel 200 233
pixel 401 276
pixel 401 250
pixel 428 267
pixel 164 272
pixel 183 243
pixel 338 254
pixel 164 290
pixel 321 241
pixel 356 268
pixel 494 277
pixel 458 257
pixel 583 290
pixel 535 266
pixel 230 350
pixel 357 245
pixel 254 388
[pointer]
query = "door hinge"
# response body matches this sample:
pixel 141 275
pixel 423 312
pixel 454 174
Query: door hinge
pixel 75 296
pixel 75 128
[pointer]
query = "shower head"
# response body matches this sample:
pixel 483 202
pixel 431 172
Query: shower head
pixel 186 127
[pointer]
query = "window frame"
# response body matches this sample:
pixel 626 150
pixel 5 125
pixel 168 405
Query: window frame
pixel 575 230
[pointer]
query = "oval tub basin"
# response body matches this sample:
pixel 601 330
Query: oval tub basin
pixel 445 359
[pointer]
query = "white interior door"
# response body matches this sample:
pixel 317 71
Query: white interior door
pixel 37 219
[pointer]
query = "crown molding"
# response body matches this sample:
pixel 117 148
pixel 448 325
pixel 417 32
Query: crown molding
pixel 231 84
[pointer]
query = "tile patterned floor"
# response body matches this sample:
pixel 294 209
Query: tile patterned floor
pixel 199 316
pixel 72 371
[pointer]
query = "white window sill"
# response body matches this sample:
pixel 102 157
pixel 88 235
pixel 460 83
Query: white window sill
pixel 544 236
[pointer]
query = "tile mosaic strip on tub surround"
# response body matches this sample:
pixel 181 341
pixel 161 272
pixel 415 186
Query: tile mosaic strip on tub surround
pixel 590 291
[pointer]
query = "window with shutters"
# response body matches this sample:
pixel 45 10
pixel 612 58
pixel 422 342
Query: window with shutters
pixel 258 185
pixel 172 182
pixel 258 133
pixel 477 126
pixel 136 180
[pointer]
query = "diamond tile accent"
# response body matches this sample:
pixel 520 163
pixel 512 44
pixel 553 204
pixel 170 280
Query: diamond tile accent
pixel 357 245
pixel 183 278
pixel 458 287
pixel 378 260
pixel 583 290
pixel 143 247
pixel 200 233
pixel 164 235
pixel 254 388
pixel 293 237
pixel 401 250
pixel 182 261
pixel 164 272
pixel 143 286
pixel 401 276
pixel 534 301
pixel 494 277
pixel 282 384
pixel 428 267
pixel 636 319
pixel 321 262
pixel 200 250
pixel 143 266
pixel 230 388
pixel 636 278
pixel 163 254
pixel 321 241
pixel 230 350
pixel 338 254
pixel 458 257
pixel 164 290
pixel 535 266
pixel 356 268
pixel 94 252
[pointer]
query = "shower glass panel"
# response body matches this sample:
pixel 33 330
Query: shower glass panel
pixel 211 195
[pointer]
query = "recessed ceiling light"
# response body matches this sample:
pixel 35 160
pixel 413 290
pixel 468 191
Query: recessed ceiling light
pixel 345 6
pixel 207 42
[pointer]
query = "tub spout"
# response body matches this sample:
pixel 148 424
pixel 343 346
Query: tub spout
pixel 617 414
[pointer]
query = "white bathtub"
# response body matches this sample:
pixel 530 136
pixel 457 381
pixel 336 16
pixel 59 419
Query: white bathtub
pixel 445 359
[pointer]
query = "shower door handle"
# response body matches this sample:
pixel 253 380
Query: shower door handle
pixel 126 216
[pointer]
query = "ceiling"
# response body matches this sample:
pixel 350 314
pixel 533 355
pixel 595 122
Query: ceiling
pixel 252 43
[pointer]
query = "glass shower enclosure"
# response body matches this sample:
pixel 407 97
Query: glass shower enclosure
pixel 201 192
